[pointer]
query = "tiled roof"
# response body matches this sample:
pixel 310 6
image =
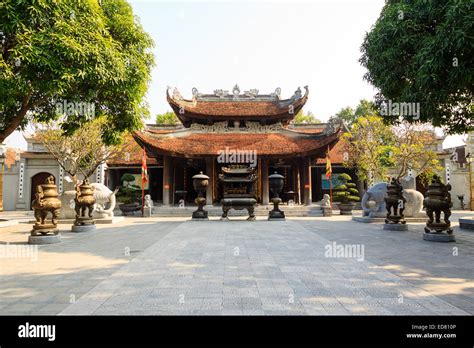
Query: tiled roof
pixel 131 155
pixel 188 144
pixel 336 154
pixel 204 111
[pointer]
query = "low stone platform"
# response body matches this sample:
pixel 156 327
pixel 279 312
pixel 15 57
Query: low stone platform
pixel 395 227
pixel 381 220
pixel 466 223
pixel 47 239
pixel 439 237
pixel 82 228
pixel 114 220
pixel 260 210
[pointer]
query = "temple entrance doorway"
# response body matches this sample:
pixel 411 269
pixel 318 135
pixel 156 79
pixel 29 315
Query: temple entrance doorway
pixel 183 179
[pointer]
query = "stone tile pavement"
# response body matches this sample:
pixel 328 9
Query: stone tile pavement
pixel 175 266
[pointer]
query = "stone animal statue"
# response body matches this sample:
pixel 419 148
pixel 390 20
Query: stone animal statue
pixel 103 195
pixel 148 202
pixel 373 204
pixel 326 201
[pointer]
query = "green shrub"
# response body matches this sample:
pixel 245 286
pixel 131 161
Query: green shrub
pixel 130 193
pixel 346 191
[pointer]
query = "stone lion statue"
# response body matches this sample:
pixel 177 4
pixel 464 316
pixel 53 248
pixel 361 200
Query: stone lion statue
pixel 373 204
pixel 326 201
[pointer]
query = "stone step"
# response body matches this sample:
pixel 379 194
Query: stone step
pixel 259 211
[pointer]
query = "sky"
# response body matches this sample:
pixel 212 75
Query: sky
pixel 259 44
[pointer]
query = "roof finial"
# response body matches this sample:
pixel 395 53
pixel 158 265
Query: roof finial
pixel 236 90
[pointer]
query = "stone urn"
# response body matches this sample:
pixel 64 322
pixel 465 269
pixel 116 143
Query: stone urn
pixel 346 208
pixel 200 183
pixel 46 201
pixel 84 207
pixel 437 201
pixel 276 182
pixel 395 203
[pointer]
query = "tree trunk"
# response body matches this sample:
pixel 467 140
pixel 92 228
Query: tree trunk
pixel 15 123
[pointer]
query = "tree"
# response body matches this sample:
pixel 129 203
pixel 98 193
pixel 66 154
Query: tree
pixel 411 151
pixel 79 153
pixel 72 53
pixel 373 148
pixel 364 108
pixel 368 145
pixel 423 52
pixel 308 118
pixel 168 117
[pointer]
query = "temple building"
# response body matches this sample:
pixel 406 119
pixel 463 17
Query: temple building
pixel 222 129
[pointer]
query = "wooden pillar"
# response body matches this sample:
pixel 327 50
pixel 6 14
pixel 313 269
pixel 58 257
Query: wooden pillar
pixel 264 178
pixel 307 181
pixel 166 180
pixel 209 173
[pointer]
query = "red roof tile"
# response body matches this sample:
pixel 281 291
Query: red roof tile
pixel 189 144
pixel 131 155
pixel 256 110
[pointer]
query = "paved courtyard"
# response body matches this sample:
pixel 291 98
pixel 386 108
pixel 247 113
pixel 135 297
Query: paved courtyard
pixel 295 267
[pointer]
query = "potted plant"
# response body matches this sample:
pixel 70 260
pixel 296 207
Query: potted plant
pixel 346 193
pixel 128 195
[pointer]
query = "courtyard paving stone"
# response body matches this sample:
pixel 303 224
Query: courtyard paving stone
pixel 165 266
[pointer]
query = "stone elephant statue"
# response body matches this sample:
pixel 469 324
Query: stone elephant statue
pixel 373 204
pixel 103 195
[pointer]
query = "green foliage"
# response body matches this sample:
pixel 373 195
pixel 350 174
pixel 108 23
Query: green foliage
pixel 369 144
pixel 128 193
pixel 411 151
pixel 85 51
pixel 127 177
pixel 346 191
pixel 80 152
pixel 423 51
pixel 308 118
pixel 364 108
pixel 168 117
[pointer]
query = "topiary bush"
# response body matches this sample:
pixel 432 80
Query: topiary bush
pixel 129 193
pixel 346 191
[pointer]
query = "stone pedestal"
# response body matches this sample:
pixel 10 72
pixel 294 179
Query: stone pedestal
pixel 276 213
pixel 147 212
pixel 439 237
pixel 83 228
pixel 327 211
pixel 466 223
pixel 44 239
pixel 395 227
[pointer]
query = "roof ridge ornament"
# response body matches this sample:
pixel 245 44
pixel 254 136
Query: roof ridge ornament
pixel 176 94
pixel 333 125
pixel 236 90
pixel 195 92
pixel 252 93
pixel 277 93
pixel 221 93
